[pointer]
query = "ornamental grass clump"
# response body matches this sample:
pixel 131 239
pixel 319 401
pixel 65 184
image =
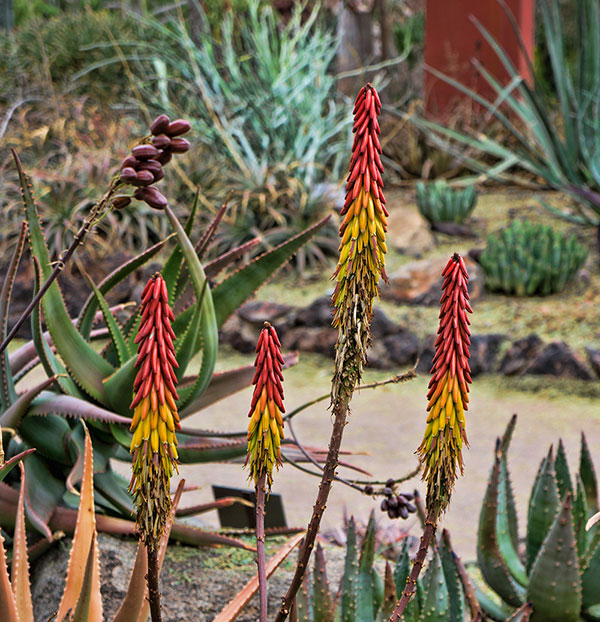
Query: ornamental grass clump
pixel 155 418
pixel 361 264
pixel 265 432
pixel 445 433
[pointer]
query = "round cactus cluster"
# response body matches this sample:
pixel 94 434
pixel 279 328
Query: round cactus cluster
pixel 396 505
pixel 144 166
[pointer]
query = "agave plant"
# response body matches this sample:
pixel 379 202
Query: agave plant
pixel 364 595
pixel 557 571
pixel 439 202
pixel 526 259
pixel 90 384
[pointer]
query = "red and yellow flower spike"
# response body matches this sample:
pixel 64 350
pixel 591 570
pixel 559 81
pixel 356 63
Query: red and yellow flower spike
pixel 265 429
pixel 445 434
pixel 155 416
pixel 363 247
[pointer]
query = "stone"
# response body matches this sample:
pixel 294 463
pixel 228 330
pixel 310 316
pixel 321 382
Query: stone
pixel 402 347
pixel 420 282
pixel 593 357
pixel 409 233
pixel 318 313
pixel 382 325
pixel 557 359
pixel 256 312
pixel 484 353
pixel 319 339
pixel 240 335
pixel 426 355
pixel 520 355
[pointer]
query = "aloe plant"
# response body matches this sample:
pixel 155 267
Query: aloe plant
pixel 528 259
pixel 364 595
pixel 85 383
pixel 558 570
pixel 439 202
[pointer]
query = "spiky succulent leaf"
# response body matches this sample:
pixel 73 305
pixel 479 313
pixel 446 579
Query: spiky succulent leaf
pixel 401 572
pixel 84 612
pixel 12 416
pixel 9 465
pixel 511 506
pixel 242 284
pixel 554 588
pixel 522 614
pixel 436 607
pixel 389 594
pixel 8 606
pixel 349 588
pixel 369 583
pixel 590 578
pixel 580 514
pixel 493 566
pixel 543 506
pixel 439 202
pixel 587 473
pixel 322 600
pixel 563 475
pixel 457 611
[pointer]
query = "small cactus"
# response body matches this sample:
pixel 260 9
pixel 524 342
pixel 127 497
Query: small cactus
pixel 439 202
pixel 558 573
pixel 528 259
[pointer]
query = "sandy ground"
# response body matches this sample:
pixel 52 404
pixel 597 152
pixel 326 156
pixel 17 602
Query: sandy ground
pixel 388 424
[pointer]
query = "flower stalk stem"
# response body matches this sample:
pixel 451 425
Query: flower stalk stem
pixel 152 580
pixel 260 546
pixel 411 581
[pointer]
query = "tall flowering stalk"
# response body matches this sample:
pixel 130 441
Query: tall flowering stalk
pixel 445 433
pixel 265 432
pixel 155 419
pixel 361 264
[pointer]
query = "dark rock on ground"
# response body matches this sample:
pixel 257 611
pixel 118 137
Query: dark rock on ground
pixel 382 325
pixel 402 347
pixel 484 353
pixel 520 355
pixel 319 339
pixel 409 233
pixel 257 312
pixel 318 313
pixel 240 335
pixel 426 355
pixel 557 359
pixel 420 282
pixel 593 357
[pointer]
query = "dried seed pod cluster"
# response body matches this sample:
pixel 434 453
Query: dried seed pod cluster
pixel 155 416
pixel 363 247
pixel 445 433
pixel 265 429
pixel 396 505
pixel 144 166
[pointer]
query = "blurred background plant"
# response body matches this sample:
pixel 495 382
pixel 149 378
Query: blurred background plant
pixel 439 202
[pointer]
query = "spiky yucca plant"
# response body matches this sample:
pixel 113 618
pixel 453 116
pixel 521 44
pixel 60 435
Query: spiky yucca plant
pixel 361 264
pixel 445 433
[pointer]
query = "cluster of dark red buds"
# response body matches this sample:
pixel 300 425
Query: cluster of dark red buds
pixel 144 166
pixel 396 505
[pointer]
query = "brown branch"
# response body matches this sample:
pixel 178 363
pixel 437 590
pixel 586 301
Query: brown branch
pixel 411 581
pixel 340 411
pixel 152 578
pixel 260 546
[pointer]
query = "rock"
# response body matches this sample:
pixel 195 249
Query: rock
pixel 557 359
pixel 420 282
pixel 196 583
pixel 520 355
pixel 257 312
pixel 593 359
pixel 426 355
pixel 381 325
pixel 409 233
pixel 318 313
pixel 484 352
pixel 402 347
pixel 240 335
pixel 311 339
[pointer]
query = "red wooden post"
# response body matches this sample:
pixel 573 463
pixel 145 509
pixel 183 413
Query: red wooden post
pixel 452 40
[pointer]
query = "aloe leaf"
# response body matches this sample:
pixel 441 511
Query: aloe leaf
pixel 457 608
pixel 543 506
pixel 11 417
pixel 580 514
pixel 116 334
pixel 235 606
pixel 322 600
pixel 136 590
pixel 563 476
pixel 49 435
pixel 84 545
pixel 389 594
pixel 88 311
pixel 490 607
pixel 210 450
pixel 73 348
pixel 8 606
pixel 590 578
pixel 349 591
pixel 7 388
pixel 20 562
pixel 86 610
pixel 556 568
pixel 114 487
pixel 436 607
pixel 366 603
pixel 43 493
pixel 225 383
pixel 216 266
pixel 511 506
pixel 209 235
pixel 9 465
pixel 588 476
pixel 224 502
pixel 491 562
pixel 48 403
pixel 522 614
pixel 237 288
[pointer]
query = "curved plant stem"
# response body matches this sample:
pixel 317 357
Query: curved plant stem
pixel 411 581
pixel 260 546
pixel 340 411
pixel 153 593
